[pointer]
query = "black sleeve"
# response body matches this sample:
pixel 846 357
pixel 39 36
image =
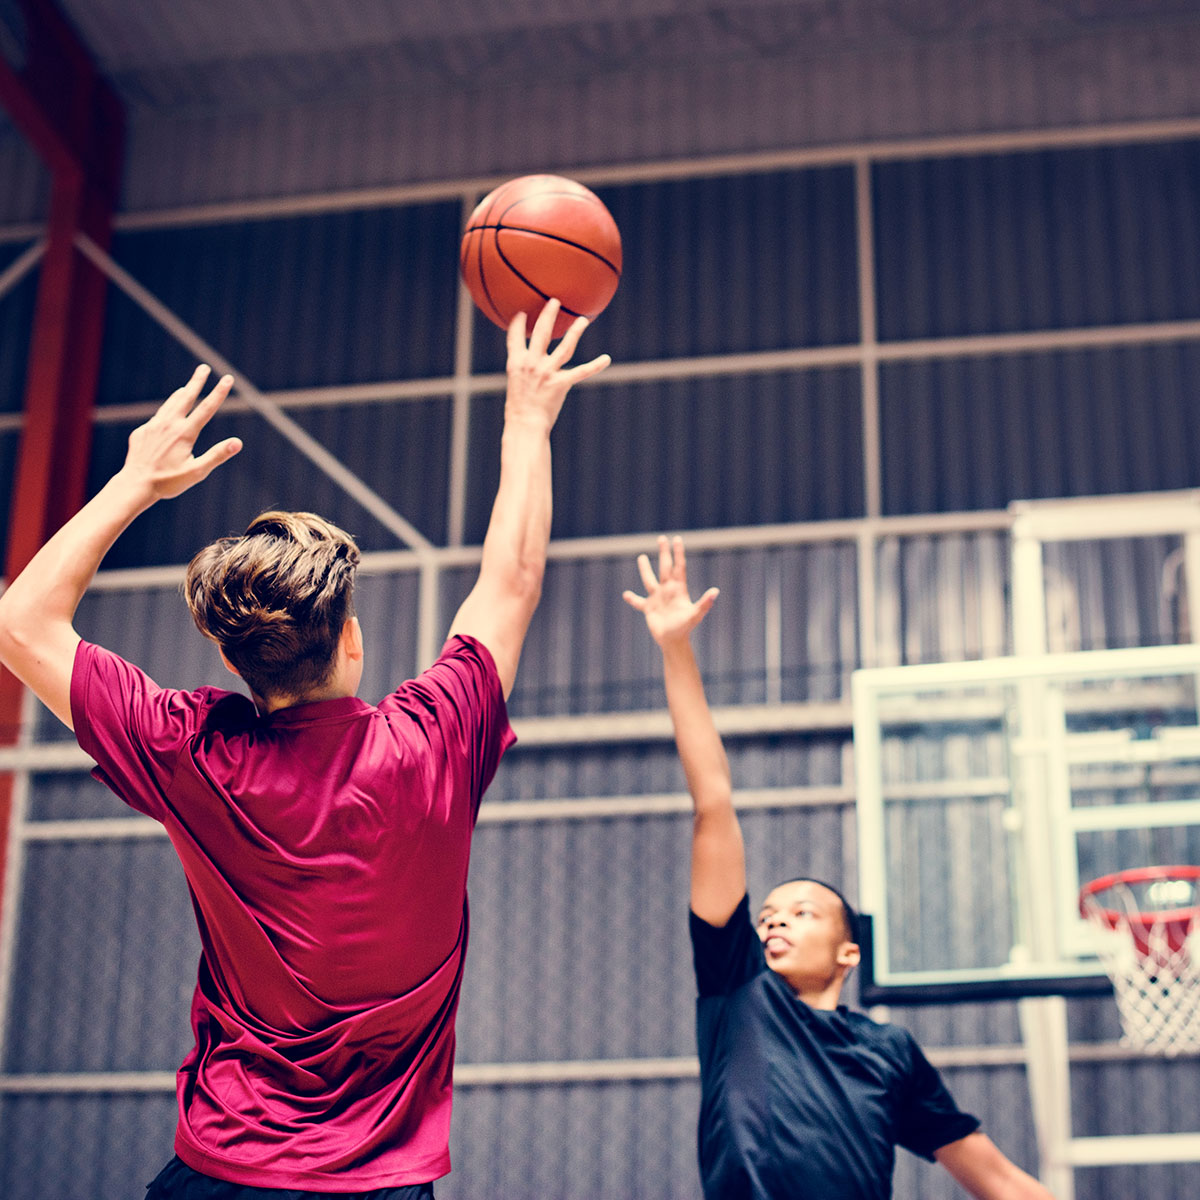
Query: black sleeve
pixel 725 956
pixel 927 1117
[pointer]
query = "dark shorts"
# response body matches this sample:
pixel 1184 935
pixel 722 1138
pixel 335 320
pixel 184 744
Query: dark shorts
pixel 177 1181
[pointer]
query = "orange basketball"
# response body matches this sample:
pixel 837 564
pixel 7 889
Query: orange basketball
pixel 538 237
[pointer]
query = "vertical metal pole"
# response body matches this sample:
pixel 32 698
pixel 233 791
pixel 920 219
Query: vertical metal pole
pixel 773 631
pixel 869 380
pixel 464 338
pixel 1191 592
pixel 1043 1021
pixel 75 123
pixel 868 339
pixel 429 618
pixel 13 869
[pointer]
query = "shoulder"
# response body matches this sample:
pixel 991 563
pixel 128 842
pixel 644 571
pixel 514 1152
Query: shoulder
pixel 725 957
pixel 469 651
pixel 102 681
pixel 464 666
pixel 892 1040
pixel 461 686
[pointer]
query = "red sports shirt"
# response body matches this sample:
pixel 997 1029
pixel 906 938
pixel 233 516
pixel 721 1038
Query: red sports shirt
pixel 326 850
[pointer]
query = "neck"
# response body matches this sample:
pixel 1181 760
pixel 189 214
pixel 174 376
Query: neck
pixel 327 691
pixel 818 993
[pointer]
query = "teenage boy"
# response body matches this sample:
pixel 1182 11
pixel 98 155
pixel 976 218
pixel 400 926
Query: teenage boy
pixel 325 840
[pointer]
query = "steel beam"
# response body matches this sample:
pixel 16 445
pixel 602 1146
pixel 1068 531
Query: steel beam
pixel 75 123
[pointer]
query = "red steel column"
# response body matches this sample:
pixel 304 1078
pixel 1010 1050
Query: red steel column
pixel 74 121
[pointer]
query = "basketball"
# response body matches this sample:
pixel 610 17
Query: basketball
pixel 538 237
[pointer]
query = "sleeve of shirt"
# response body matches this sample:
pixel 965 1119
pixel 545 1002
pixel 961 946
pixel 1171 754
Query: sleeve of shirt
pixel 928 1118
pixel 725 956
pixel 461 693
pixel 133 728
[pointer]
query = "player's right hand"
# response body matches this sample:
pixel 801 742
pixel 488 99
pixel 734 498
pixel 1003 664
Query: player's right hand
pixel 670 612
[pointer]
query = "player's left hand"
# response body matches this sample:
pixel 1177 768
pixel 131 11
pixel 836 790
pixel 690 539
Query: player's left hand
pixel 160 456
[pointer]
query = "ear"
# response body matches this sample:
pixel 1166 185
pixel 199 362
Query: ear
pixel 228 665
pixel 352 640
pixel 848 954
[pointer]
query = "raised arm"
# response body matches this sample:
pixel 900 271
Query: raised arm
pixel 979 1166
pixel 499 607
pixel 718 855
pixel 37 612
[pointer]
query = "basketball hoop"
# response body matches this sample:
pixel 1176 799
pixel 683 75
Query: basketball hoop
pixel 1146 924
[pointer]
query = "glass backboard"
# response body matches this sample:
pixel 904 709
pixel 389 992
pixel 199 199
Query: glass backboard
pixel 989 792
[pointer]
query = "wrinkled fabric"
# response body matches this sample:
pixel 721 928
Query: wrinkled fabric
pixel 326 849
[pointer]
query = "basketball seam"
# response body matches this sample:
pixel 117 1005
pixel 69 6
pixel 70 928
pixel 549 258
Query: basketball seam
pixel 529 282
pixel 554 237
pixel 483 281
pixel 487 291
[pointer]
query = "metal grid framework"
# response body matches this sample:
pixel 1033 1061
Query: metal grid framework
pixel 432 567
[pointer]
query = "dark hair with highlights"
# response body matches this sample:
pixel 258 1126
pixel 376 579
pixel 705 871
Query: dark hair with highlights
pixel 275 599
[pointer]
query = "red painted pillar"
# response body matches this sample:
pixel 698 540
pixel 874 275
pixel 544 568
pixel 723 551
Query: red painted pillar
pixel 74 121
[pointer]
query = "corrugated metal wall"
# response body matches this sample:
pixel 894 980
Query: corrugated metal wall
pixel 579 944
pixel 16 324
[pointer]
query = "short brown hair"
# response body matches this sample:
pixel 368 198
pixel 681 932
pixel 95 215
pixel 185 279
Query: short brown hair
pixel 275 599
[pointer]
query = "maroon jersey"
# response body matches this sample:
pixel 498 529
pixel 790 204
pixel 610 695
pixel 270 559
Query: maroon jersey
pixel 326 849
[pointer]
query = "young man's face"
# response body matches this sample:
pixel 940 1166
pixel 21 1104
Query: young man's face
pixel 803 930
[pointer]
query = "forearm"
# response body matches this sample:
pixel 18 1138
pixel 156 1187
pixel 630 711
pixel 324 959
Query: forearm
pixel 701 751
pixel 514 547
pixel 49 589
pixel 718 855
pixel 500 606
pixel 37 633
pixel 980 1167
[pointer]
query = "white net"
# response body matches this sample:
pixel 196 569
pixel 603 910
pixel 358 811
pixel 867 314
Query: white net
pixel 1153 960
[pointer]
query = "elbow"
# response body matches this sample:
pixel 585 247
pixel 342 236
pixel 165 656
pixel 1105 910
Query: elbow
pixel 23 629
pixel 12 633
pixel 14 641
pixel 712 802
pixel 524 582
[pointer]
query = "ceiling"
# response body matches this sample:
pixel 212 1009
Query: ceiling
pixel 222 55
pixel 232 100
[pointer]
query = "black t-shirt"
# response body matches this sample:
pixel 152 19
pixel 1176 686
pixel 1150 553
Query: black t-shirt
pixel 800 1103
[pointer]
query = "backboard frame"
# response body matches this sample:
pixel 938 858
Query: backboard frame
pixel 1055 957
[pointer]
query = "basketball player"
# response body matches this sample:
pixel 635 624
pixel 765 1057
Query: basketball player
pixel 800 1097
pixel 325 841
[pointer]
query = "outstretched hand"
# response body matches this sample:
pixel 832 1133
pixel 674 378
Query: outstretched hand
pixel 670 613
pixel 538 378
pixel 160 455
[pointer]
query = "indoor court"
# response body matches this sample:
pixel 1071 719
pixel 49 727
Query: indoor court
pixel 906 344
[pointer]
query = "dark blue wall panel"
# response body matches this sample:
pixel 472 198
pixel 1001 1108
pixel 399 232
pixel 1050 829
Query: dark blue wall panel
pixel 725 265
pixel 84 1147
pixel 9 442
pixel 980 432
pixel 16 327
pixel 298 302
pixel 697 453
pixel 107 929
pixel 399 449
pixel 1046 240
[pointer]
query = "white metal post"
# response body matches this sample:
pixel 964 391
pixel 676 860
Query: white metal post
pixel 1044 1020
